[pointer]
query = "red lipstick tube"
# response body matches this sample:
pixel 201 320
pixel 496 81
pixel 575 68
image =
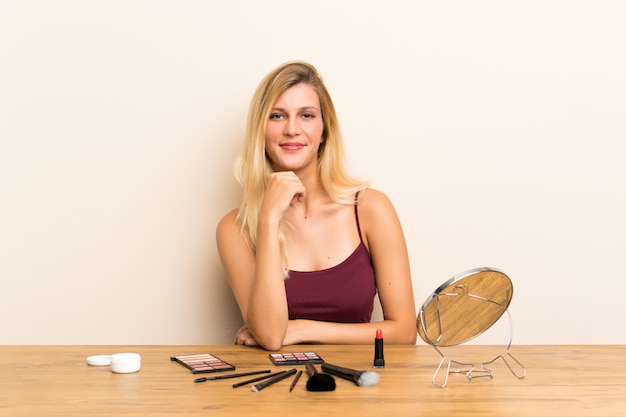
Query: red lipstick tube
pixel 379 354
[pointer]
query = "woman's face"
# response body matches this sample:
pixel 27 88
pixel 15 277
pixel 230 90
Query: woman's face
pixel 294 129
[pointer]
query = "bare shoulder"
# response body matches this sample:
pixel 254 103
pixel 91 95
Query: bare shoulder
pixel 378 219
pixel 228 224
pixel 231 243
pixel 376 213
pixel 374 203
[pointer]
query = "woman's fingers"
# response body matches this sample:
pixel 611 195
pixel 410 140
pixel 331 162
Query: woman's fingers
pixel 244 337
pixel 284 189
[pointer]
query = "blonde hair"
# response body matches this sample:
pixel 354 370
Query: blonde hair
pixel 253 166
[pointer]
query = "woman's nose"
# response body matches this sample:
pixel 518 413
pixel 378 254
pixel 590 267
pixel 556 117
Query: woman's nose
pixel 292 127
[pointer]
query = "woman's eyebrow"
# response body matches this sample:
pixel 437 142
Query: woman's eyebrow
pixel 300 108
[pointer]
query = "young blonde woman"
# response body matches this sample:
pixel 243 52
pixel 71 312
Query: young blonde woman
pixel 310 245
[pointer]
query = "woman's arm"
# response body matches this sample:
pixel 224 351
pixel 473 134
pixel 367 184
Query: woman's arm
pixel 385 238
pixel 262 305
pixel 257 278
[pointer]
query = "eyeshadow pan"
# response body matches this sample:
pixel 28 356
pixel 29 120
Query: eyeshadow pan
pixel 203 363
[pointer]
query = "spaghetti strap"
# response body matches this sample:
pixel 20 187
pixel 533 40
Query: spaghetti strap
pixel 356 215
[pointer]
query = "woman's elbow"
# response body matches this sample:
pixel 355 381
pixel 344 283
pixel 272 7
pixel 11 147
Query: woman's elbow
pixel 270 343
pixel 410 337
pixel 406 336
pixel 267 336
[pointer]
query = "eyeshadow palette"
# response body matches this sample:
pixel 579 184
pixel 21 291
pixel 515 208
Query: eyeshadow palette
pixel 203 363
pixel 299 358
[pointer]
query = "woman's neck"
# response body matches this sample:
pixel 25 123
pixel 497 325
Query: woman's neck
pixel 316 195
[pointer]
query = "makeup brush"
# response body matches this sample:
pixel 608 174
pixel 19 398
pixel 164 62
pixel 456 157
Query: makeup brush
pixel 270 381
pixel 295 381
pixel 317 381
pixel 361 378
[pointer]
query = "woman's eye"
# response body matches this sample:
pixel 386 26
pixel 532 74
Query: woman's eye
pixel 275 116
pixel 308 116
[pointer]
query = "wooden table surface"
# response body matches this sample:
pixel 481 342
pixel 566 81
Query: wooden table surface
pixel 569 380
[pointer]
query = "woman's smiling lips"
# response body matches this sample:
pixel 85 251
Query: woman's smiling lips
pixel 292 146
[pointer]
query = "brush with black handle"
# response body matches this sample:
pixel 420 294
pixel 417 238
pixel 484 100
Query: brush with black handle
pixel 361 378
pixel 318 381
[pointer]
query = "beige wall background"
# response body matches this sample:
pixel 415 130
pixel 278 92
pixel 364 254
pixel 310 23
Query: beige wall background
pixel 497 128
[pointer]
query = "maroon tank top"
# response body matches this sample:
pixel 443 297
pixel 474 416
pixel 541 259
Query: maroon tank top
pixel 343 293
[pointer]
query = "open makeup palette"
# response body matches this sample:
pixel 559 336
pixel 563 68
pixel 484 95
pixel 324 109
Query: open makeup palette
pixel 203 363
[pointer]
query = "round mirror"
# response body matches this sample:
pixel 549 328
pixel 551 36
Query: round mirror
pixel 464 307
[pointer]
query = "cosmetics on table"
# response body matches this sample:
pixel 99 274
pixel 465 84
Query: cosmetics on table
pixel 318 381
pixel 360 378
pixel 298 358
pixel 229 376
pixel 121 363
pixel 279 377
pixel 260 378
pixel 203 363
pixel 379 355
pixel 207 362
pixel 295 381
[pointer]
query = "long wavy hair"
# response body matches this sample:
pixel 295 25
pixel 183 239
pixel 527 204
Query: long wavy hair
pixel 253 167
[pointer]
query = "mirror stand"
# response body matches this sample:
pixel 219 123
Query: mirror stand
pixel 471 371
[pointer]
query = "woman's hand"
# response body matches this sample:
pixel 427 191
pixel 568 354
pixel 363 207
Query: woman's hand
pixel 282 191
pixel 244 337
